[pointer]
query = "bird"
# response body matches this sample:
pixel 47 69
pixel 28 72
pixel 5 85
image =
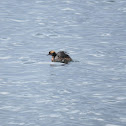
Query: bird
pixel 61 56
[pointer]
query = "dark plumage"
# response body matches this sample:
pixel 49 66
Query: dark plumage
pixel 61 56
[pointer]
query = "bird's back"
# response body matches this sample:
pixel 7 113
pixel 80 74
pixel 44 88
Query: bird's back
pixel 63 54
pixel 62 57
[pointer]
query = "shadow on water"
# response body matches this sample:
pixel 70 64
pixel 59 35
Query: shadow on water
pixel 60 64
pixel 55 64
pixel 111 1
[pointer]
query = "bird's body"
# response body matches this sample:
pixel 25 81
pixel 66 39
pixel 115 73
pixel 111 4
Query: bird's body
pixel 61 56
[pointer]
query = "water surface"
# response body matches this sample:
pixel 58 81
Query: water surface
pixel 36 92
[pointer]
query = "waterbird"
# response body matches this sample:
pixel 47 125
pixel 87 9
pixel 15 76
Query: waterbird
pixel 61 56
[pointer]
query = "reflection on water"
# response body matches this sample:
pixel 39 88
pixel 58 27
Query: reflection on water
pixel 37 92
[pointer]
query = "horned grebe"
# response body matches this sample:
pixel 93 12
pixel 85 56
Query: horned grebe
pixel 61 56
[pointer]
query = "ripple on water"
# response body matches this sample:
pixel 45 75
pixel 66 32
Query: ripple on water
pixel 43 35
pixel 97 55
pixel 68 9
pixel 4 93
pixel 10 108
pixel 55 115
pixel 122 9
pixel 53 35
pixel 93 63
pixel 5 57
pixel 20 21
pixel 121 98
pixel 16 124
pixel 111 125
pixel 5 38
pixel 106 34
pixel 123 119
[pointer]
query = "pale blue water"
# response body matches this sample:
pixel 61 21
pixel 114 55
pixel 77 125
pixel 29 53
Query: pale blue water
pixel 36 92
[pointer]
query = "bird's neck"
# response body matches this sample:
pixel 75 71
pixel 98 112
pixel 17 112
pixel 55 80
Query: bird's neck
pixel 54 54
pixel 53 58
